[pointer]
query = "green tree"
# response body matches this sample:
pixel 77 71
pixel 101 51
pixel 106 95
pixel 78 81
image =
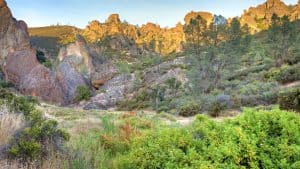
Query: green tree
pixel 195 32
pixel 282 35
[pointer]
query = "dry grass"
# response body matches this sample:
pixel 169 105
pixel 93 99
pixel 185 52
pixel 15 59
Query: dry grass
pixel 54 161
pixel 10 123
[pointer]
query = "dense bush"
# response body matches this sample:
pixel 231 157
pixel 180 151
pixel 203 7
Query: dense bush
pixel 220 103
pixel 140 101
pixel 290 99
pixel 38 136
pixel 82 93
pixel 285 74
pixel 189 109
pixel 4 84
pixel 256 139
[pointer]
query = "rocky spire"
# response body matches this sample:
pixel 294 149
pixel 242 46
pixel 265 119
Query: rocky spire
pixel 114 18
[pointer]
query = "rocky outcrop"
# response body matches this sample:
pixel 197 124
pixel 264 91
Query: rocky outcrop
pixel 44 84
pixel 112 92
pixel 161 73
pixel 259 18
pixel 102 74
pixel 205 15
pixel 78 55
pixel 13 33
pixel 21 67
pixel 124 36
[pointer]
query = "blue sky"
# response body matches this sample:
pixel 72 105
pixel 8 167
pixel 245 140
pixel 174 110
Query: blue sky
pixel 163 12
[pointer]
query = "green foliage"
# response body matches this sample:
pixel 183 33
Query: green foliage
pixel 19 104
pixel 4 84
pixel 123 67
pixel 256 139
pixel 82 93
pixel 140 101
pixel 38 137
pixel 290 99
pixel 218 104
pixel 189 109
pixel 42 59
pixel 98 148
pixel 284 74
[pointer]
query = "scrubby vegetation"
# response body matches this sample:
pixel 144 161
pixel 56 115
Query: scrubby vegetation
pixel 290 99
pixel 82 93
pixel 33 137
pixel 256 139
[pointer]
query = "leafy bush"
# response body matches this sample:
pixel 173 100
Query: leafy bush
pixel 220 103
pixel 82 93
pixel 189 109
pixel 290 99
pixel 42 59
pixel 140 101
pixel 285 74
pixel 256 139
pixel 38 137
pixel 4 84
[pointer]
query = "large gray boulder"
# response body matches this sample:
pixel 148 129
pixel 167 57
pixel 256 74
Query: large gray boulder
pixel 113 91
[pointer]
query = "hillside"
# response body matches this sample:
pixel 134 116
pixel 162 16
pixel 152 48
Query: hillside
pixel 208 93
pixel 51 38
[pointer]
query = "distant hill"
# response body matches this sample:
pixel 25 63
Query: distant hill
pixel 52 37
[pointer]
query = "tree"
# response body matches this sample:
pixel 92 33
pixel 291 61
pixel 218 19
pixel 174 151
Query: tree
pixel 235 33
pixel 195 33
pixel 282 35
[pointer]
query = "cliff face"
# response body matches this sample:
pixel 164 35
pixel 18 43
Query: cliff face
pixel 13 33
pixel 259 18
pixel 149 36
pixel 21 67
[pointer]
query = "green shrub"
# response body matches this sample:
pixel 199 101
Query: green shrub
pixel 220 103
pixel 288 74
pixel 285 74
pixel 290 99
pixel 19 104
pixel 141 101
pixel 4 84
pixel 82 93
pixel 256 139
pixel 40 135
pixel 189 109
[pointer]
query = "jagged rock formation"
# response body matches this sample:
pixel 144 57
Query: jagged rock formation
pixel 13 33
pixel 259 18
pixel 124 35
pixel 205 15
pixel 83 59
pixel 21 67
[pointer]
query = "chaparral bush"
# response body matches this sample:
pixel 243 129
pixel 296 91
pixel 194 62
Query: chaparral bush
pixel 255 139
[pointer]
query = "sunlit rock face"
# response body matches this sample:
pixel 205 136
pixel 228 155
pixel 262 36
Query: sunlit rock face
pixel 208 17
pixel 259 18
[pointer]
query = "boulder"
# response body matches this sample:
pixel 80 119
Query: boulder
pixel 69 79
pixel 113 91
pixel 43 83
pixel 19 64
pixel 103 73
